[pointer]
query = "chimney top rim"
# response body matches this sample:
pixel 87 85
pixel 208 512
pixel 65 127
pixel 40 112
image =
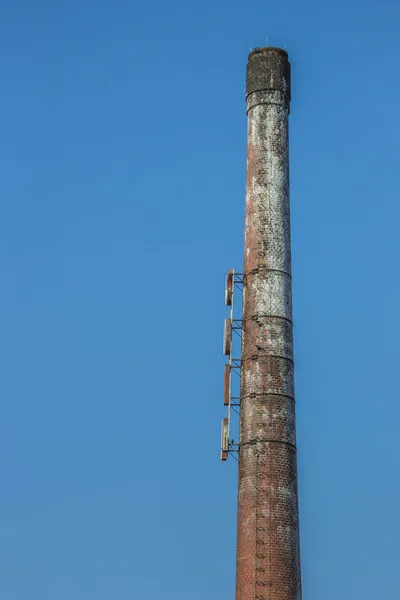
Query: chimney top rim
pixel 268 49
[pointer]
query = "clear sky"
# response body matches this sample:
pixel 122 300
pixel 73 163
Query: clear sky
pixel 122 149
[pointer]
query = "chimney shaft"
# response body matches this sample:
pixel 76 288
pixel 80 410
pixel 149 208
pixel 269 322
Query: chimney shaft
pixel 268 553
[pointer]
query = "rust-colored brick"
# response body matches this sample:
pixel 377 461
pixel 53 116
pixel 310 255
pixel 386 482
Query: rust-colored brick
pixel 268 553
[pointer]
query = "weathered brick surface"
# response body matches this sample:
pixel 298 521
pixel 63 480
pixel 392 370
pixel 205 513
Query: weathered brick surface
pixel 268 556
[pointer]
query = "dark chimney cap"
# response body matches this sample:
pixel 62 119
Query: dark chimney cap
pixel 268 69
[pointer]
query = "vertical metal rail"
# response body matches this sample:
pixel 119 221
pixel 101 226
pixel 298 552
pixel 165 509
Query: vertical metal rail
pixel 230 357
pixel 232 448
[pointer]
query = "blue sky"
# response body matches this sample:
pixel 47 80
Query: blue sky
pixel 123 136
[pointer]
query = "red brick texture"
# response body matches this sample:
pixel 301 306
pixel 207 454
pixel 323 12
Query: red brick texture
pixel 268 553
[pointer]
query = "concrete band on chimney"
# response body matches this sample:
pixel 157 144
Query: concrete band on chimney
pixel 268 553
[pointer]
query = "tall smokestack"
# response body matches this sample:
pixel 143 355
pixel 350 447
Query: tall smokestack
pixel 268 553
